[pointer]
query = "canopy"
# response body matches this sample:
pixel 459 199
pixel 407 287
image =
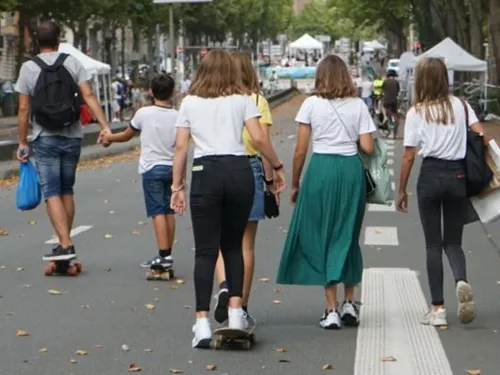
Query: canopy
pixel 456 57
pixel 92 66
pixel 407 60
pixel 306 42
pixel 375 44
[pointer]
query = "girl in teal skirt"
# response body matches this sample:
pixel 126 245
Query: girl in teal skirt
pixel 322 244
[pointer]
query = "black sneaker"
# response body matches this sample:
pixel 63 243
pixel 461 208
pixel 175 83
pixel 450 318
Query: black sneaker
pixel 221 313
pixel 58 253
pixel 165 262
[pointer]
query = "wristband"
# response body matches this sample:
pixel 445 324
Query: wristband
pixel 176 190
pixel 278 167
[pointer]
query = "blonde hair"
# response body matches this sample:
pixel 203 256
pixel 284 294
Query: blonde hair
pixel 333 79
pixel 432 96
pixel 217 76
pixel 248 75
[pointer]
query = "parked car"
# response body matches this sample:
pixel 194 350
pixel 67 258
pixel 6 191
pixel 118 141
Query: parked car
pixel 393 64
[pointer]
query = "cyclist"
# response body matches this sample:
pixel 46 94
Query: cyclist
pixel 377 91
pixel 390 90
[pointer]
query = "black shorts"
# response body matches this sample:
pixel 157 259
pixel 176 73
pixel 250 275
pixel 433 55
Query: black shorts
pixel 393 107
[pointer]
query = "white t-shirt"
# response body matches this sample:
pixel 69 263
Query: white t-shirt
pixel 114 90
pixel 329 135
pixel 447 142
pixel 157 127
pixel 366 89
pixel 216 124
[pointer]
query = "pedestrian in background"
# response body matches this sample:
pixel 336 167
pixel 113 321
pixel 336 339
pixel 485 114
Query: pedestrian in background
pixel 263 175
pixel 322 243
pixel 222 185
pixel 437 125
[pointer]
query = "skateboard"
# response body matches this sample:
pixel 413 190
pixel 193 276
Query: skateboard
pixel 157 272
pixel 231 338
pixel 63 268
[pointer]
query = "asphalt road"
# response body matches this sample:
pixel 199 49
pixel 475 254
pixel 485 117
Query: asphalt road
pixel 104 308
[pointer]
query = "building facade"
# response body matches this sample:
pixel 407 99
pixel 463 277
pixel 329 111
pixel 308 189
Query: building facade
pixel 9 38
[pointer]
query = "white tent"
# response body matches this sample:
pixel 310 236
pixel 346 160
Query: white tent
pixel 100 72
pixel 375 44
pixel 456 57
pixel 306 42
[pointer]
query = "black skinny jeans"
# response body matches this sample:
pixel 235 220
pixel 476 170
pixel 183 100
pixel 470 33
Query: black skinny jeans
pixel 441 190
pixel 222 192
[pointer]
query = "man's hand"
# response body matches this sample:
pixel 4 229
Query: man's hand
pixel 23 151
pixel 102 139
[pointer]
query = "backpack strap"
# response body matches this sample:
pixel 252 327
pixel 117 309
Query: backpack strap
pixel 44 66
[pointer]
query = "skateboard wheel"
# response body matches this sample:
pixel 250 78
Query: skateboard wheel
pixel 49 269
pixel 72 271
pixel 150 276
pixel 165 276
pixel 171 273
pixel 247 345
pixel 78 267
pixel 217 344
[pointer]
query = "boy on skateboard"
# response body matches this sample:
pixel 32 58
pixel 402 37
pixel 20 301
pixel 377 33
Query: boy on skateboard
pixel 156 125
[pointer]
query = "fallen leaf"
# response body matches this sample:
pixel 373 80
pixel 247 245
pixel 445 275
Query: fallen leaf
pixel 141 223
pixel 388 359
pixel 108 269
pixel 125 348
pixel 187 306
pixel 43 350
pixel 2 267
pixel 32 222
pixel 9 313
pixel 149 306
pixel 148 350
pixel 98 346
pixel 106 201
pixel 210 367
pixel 443 328
pixel 180 281
pixel 85 306
pixel 111 212
pixel 156 289
pixel 264 280
pixel 136 232
pixel 54 292
pixel 81 352
pixel 277 302
pixel 73 361
pixel 108 236
pixel 190 362
pixel 498 282
pixel 156 299
pixel 3 232
pixel 281 350
pixel 26 285
pixel 474 371
pixel 134 368
pixel 21 333
pixel 174 286
pixel 175 371
pixel 284 361
pixel 327 367
pixel 20 269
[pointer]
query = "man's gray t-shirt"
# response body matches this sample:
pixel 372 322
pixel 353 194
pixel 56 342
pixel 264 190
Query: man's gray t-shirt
pixel 26 84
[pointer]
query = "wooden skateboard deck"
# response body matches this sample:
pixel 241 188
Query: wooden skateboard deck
pixel 231 338
pixel 160 273
pixel 63 268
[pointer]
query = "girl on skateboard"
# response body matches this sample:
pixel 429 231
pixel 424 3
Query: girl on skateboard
pixel 223 187
pixel 263 173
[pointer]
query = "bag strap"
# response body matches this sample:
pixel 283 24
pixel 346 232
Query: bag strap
pixel 343 125
pixel 466 114
pixel 44 66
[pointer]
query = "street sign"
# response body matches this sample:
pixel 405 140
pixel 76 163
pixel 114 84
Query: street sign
pixel 203 52
pixel 324 38
pixel 180 1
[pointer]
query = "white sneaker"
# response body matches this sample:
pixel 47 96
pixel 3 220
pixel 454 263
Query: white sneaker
pixel 435 318
pixel 330 320
pixel 236 318
pixel 466 306
pixel 202 333
pixel 349 314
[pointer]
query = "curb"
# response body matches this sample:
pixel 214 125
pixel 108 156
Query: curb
pixel 8 148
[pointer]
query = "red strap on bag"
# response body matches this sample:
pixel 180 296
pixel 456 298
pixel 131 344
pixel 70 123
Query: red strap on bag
pixel 86 116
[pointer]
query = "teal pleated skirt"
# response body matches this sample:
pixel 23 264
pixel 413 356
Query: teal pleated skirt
pixel 322 243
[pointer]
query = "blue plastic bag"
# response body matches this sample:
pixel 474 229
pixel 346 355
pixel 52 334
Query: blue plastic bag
pixel 28 194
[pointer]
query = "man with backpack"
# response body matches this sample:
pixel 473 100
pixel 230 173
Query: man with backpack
pixel 51 88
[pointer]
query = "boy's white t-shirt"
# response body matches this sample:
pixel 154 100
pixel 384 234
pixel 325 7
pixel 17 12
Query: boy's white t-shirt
pixel 157 127
pixel 216 124
pixel 366 89
pixel 446 142
pixel 330 135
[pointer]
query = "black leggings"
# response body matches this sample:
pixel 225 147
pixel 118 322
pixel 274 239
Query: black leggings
pixel 222 192
pixel 441 190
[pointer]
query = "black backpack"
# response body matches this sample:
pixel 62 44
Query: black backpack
pixel 56 101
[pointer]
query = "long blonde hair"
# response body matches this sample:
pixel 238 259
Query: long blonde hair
pixel 432 96
pixel 248 74
pixel 217 76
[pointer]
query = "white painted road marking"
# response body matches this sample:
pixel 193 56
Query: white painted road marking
pixel 393 186
pixel 390 147
pixel 393 303
pixel 389 141
pixel 390 161
pixel 385 236
pixel 390 153
pixel 74 232
pixel 382 207
pixel 391 171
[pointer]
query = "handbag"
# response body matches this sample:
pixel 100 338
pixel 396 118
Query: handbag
pixel 477 172
pixel 371 186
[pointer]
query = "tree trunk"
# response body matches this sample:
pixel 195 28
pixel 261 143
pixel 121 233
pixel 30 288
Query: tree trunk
pixel 462 23
pixel 495 35
pixel 122 31
pixel 476 29
pixel 82 30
